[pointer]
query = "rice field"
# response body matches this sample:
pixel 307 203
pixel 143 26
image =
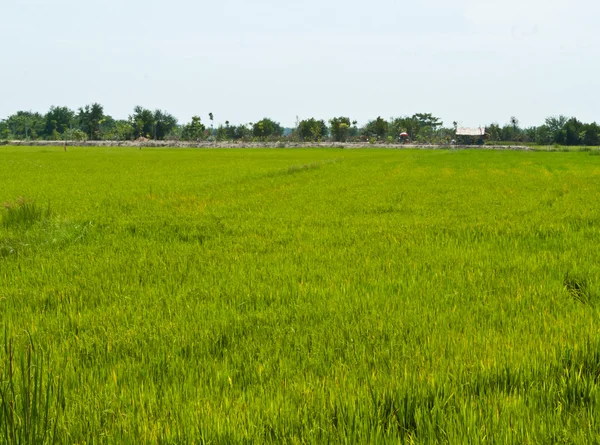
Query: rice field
pixel 299 296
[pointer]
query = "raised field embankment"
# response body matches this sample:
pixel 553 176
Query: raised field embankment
pixel 279 144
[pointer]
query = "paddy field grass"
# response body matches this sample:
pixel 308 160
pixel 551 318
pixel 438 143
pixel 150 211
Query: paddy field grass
pixel 299 296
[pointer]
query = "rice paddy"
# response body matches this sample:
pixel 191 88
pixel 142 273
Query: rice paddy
pixel 299 296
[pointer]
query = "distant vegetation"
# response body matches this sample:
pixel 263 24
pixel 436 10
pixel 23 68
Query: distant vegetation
pixel 92 123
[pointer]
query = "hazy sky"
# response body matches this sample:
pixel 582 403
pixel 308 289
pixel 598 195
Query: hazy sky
pixel 473 61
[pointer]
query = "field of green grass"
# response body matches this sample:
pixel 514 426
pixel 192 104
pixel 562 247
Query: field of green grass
pixel 299 296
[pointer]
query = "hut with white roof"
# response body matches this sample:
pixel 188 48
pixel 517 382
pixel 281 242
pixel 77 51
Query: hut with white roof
pixel 471 136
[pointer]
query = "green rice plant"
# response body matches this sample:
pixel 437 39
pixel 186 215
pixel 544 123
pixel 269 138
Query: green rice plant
pixel 7 248
pixel 298 168
pixel 31 398
pixel 579 288
pixel 365 296
pixel 23 213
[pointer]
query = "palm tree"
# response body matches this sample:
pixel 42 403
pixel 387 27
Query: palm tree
pixel 514 122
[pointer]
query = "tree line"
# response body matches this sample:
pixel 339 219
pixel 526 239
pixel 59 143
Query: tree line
pixel 560 130
pixel 92 123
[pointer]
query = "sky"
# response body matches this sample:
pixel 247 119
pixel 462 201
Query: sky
pixel 470 61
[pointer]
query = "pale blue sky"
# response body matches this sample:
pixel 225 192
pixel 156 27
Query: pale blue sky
pixel 473 61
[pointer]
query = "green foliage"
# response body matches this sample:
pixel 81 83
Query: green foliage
pixel 544 135
pixel 151 125
pixel 511 131
pixel 427 120
pixel 61 123
pixel 193 131
pixel 400 125
pixel 421 127
pixel 266 128
pixel 376 128
pixel 556 126
pixel 221 133
pixel 164 124
pixel 591 134
pixel 557 130
pixel 572 131
pixel 58 121
pixel 142 121
pixel 340 128
pixel 89 118
pixel 236 132
pixel 5 133
pixel 77 135
pixel 25 125
pixel 117 130
pixel 495 132
pixel 312 130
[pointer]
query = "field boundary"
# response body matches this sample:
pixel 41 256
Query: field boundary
pixel 280 144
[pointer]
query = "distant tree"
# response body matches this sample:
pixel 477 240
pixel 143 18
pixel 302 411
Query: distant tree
pixel 591 134
pixel 573 132
pixel 233 132
pixel 229 131
pixel 377 127
pixel 221 133
pixel 239 132
pixel 211 117
pixel 397 126
pixel 543 135
pixel 63 123
pixel 266 127
pixel 142 121
pixel 121 131
pixel 164 124
pixel 340 128
pixel 78 135
pixel 194 130
pixel 5 133
pixel 529 134
pixel 312 129
pixel 428 120
pixel 556 125
pixel 429 125
pixel 89 119
pixel 495 132
pixel 508 133
pixel 26 125
pixel 58 120
pixel 106 125
pixel 406 124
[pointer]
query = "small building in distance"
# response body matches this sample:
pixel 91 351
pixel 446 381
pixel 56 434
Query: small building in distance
pixel 471 136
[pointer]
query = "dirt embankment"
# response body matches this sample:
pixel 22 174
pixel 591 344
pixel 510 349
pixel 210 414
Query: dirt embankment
pixel 230 144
